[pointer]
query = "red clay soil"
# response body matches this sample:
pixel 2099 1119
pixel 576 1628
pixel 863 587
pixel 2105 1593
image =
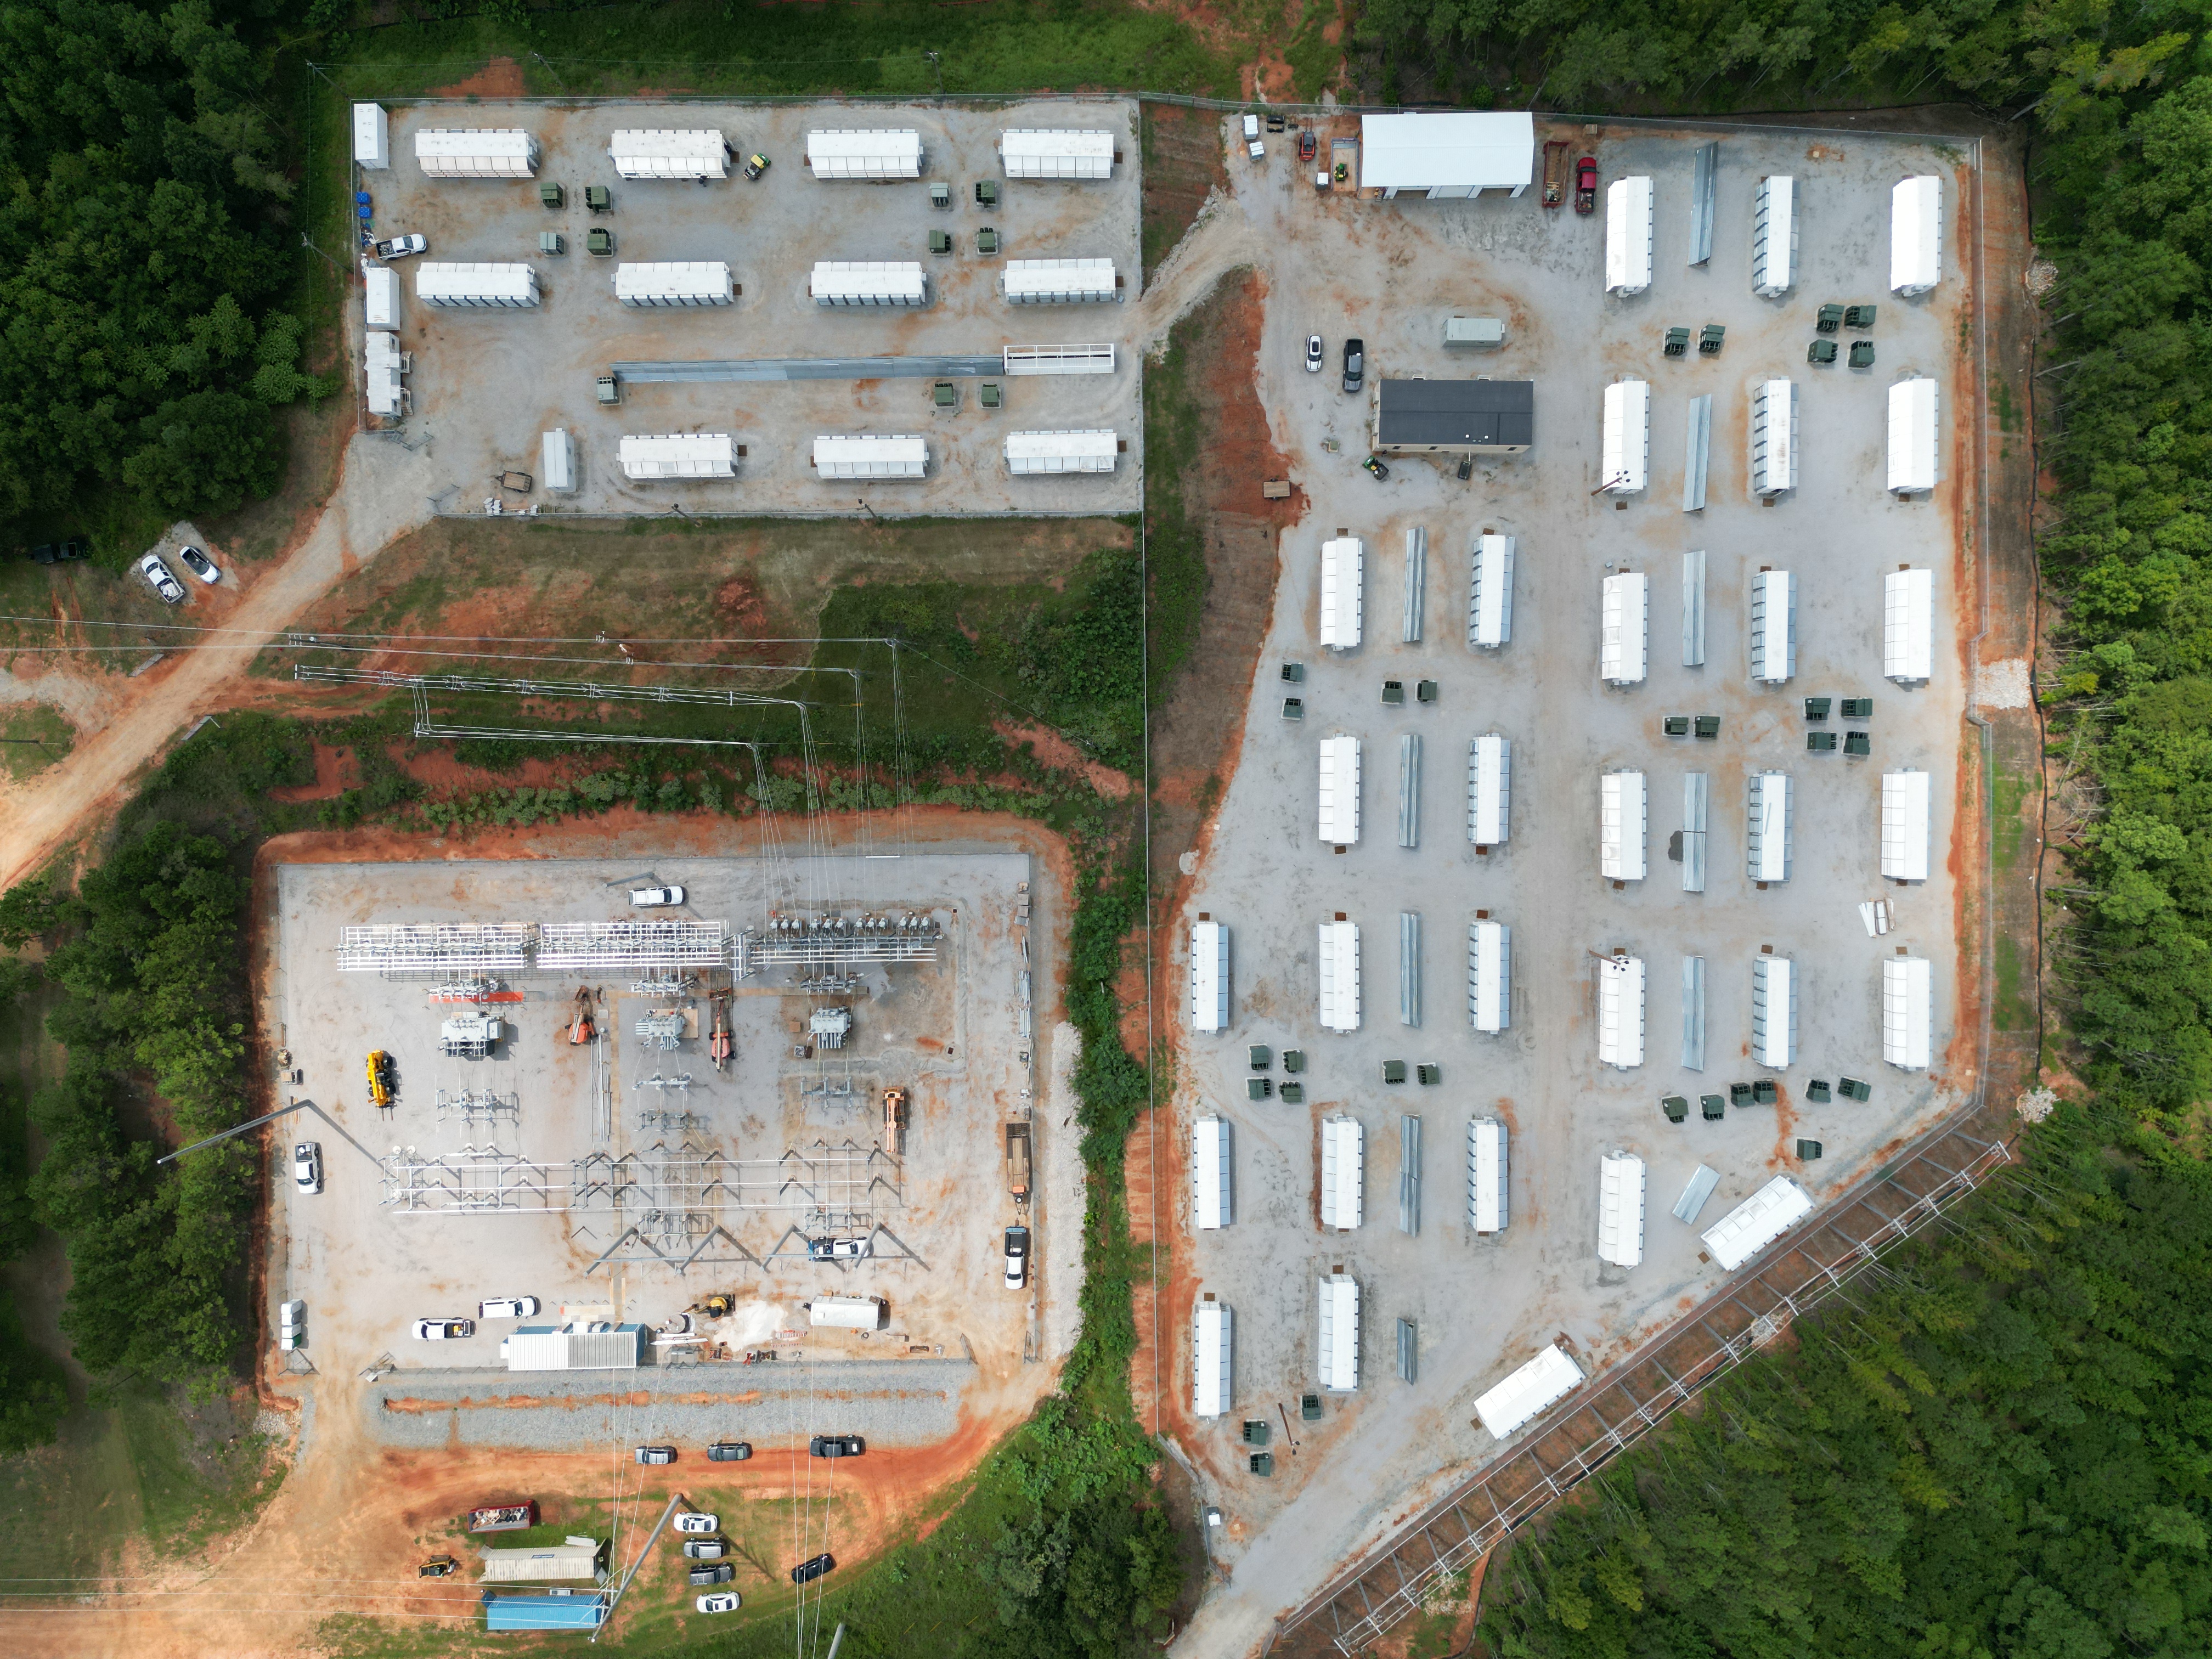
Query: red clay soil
pixel 499 78
pixel 1053 750
pixel 337 771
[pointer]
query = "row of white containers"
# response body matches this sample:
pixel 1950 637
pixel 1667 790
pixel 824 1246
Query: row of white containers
pixel 866 284
pixel 1623 825
pixel 1916 235
pixel 663 456
pixel 1907 994
pixel 1625 437
pixel 834 284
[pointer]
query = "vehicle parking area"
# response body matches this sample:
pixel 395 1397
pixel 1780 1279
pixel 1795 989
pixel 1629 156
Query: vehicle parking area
pixel 625 1179
pixel 1391 273
pixel 486 384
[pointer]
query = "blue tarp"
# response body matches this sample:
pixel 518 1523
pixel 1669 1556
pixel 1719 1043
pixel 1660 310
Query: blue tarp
pixel 543 1611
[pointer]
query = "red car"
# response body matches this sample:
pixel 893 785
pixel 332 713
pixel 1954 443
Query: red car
pixel 1586 185
pixel 1307 145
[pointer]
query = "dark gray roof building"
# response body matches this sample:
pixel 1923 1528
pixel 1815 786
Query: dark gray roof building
pixel 1478 417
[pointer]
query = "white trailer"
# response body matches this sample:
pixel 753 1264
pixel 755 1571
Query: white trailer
pixel 1340 790
pixel 1061 283
pixel 476 287
pixel 381 296
pixel 1908 1012
pixel 1912 436
pixel 1529 1392
pixel 846 153
pixel 1773 1011
pixel 1625 437
pixel 1774 236
pixel 556 460
pixel 1773 626
pixel 859 284
pixel 1756 1223
pixel 1489 976
pixel 1037 454
pixel 1209 976
pixel 1343 1171
pixel 1908 626
pixel 1620 1208
pixel 1628 236
pixel 1213 1338
pixel 476 152
pixel 371 137
pixel 1339 1333
pixel 1487 1185
pixel 1018 360
pixel 564 1348
pixel 1624 629
pixel 1343 570
pixel 1620 1011
pixel 655 457
pixel 668 153
pixel 1774 437
pixel 386 394
pixel 1490 596
pixel 381 349
pixel 1768 812
pixel 1212 1202
pixel 1489 789
pixel 1620 826
pixel 1904 829
pixel 1339 959
pixel 846 1313
pixel 1915 235
pixel 871 455
pixel 1064 153
pixel 675 283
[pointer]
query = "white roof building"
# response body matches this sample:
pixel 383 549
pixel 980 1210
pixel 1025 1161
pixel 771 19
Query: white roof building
pixel 1339 1347
pixel 1620 1012
pixel 381 296
pixel 850 284
pixel 476 287
pixel 843 153
pixel 1060 282
pixel 1339 959
pixel 1343 1169
pixel 1343 569
pixel 1915 235
pixel 1774 236
pixel 1489 789
pixel 1624 636
pixel 1211 1346
pixel 1628 236
pixel 1212 1200
pixel 556 460
pixel 1620 1209
pixel 371 137
pixel 1529 1392
pixel 1488 1185
pixel 1773 626
pixel 1908 1012
pixel 675 283
pixel 1489 976
pixel 1620 826
pixel 1905 825
pixel 679 455
pixel 1768 817
pixel 871 455
pixel 1209 976
pixel 1774 437
pixel 662 153
pixel 1038 454
pixel 1447 156
pixel 1773 1011
pixel 476 152
pixel 1908 625
pixel 1625 437
pixel 1757 1222
pixel 1340 790
pixel 1490 596
pixel 1912 436
pixel 557 1348
pixel 1056 152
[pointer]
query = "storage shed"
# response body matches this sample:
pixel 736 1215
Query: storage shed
pixel 1620 826
pixel 1040 454
pixel 1056 152
pixel 556 460
pixel 1340 790
pixel 1209 976
pixel 649 459
pixel 1213 1340
pixel 1774 236
pixel 557 1348
pixel 871 455
pixel 1211 1203
pixel 1773 1011
pixel 868 284
pixel 846 153
pixel 1628 236
pixel 1624 628
pixel 1915 235
pixel 1343 1171
pixel 1908 626
pixel 1773 626
pixel 1905 828
pixel 1625 437
pixel 1490 596
pixel 666 153
pixel 1756 1223
pixel 1489 789
pixel 1620 1011
pixel 517 1613
pixel 1343 571
pixel 1912 446
pixel 1060 282
pixel 1620 1208
pixel 371 137
pixel 1529 1392
pixel 1774 437
pixel 476 152
pixel 381 296
pixel 547 1564
pixel 1455 417
pixel 1446 156
pixel 1339 1333
pixel 1768 811
pixel 1487 1184
pixel 687 282
pixel 1338 959
pixel 1908 1012
pixel 476 287
pixel 1489 976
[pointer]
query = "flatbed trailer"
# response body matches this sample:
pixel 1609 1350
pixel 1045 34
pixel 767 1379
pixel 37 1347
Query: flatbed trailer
pixel 504 1517
pixel 1555 172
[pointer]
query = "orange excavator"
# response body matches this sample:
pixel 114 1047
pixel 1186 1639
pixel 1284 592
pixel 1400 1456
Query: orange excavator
pixel 581 1029
pixel 721 1045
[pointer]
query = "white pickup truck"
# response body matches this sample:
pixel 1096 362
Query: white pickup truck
pixel 399 247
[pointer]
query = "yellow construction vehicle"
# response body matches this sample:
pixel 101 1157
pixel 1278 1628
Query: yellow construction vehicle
pixel 379 1077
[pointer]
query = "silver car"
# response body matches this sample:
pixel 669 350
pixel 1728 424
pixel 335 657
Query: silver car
pixel 307 1166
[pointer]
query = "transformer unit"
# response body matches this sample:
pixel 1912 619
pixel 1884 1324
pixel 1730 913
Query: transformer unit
pixel 1773 1011
pixel 1487 1184
pixel 1213 1338
pixel 1490 597
pixel 1904 828
pixel 1624 628
pixel 1056 152
pixel 871 455
pixel 1915 235
pixel 1908 1012
pixel 1489 976
pixel 1908 626
pixel 1489 789
pixel 1773 626
pixel 679 455
pixel 1912 441
pixel 1767 813
pixel 664 153
pixel 695 282
pixel 843 153
pixel 1036 454
pixel 1620 826
pixel 1212 1204
pixel 848 284
pixel 1340 790
pixel 1620 1011
pixel 476 152
pixel 1209 977
pixel 469 1036
pixel 1620 1209
pixel 1774 237
pixel 1060 282
pixel 476 287
pixel 1338 959
pixel 1628 236
pixel 1774 437
pixel 1343 568
pixel 1624 446
pixel 1343 1169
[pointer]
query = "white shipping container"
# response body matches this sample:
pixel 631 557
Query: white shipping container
pixel 1490 597
pixel 1489 789
pixel 656 457
pixel 1489 977
pixel 1056 152
pixel 1212 1202
pixel 1033 454
pixel 381 296
pixel 1620 1011
pixel 1620 826
pixel 843 153
pixel 371 137
pixel 1628 236
pixel 1624 633
pixel 1339 1333
pixel 556 464
pixel 1209 976
pixel 1908 1012
pixel 1915 235
pixel 1768 812
pixel 662 153
pixel 1213 1338
pixel 1624 446
pixel 846 1313
pixel 1904 828
pixel 1340 790
pixel 871 455
pixel 1529 1392
pixel 1773 626
pixel 687 283
pixel 1773 1011
pixel 1756 1223
pixel 1774 237
pixel 850 283
pixel 1774 437
pixel 476 152
pixel 476 287
pixel 1060 282
pixel 1343 570
pixel 1488 1185
pixel 1339 959
pixel 1343 1169
pixel 1620 1209
pixel 1908 625
pixel 1913 440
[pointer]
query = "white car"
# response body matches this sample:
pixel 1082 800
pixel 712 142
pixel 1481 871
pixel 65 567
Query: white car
pixel 440 1330
pixel 200 565
pixel 1313 354
pixel 720 1602
pixel 696 1522
pixel 171 590
pixel 645 898
pixel 508 1307
pixel 1017 1257
pixel 307 1166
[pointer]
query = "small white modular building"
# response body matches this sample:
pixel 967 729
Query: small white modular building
pixel 1343 571
pixel 381 349
pixel 679 455
pixel 371 137
pixel 1213 1338
pixel 1446 156
pixel 1056 152
pixel 1773 1011
pixel 1487 1186
pixel 1757 1222
pixel 385 394
pixel 1490 596
pixel 381 296
pixel 1620 1011
pixel 1774 437
pixel 1908 626
pixel 1340 790
pixel 1040 454
pixel 557 1348
pixel 1529 1392
pixel 1489 789
pixel 1625 437
pixel 662 153
pixel 1628 236
pixel 1905 827
pixel 1489 976
pixel 1773 626
pixel 1060 282
pixel 1212 1202
pixel 850 284
pixel 1774 236
pixel 476 287
pixel 476 152
pixel 1908 1012
pixel 847 1313
pixel 1620 826
pixel 556 460
pixel 871 455
pixel 686 282
pixel 1339 1333
pixel 1338 959
pixel 1209 976
pixel 844 153
pixel 1912 436
pixel 1343 1171
pixel 1768 813
pixel 1620 1208
pixel 1915 235
pixel 1624 638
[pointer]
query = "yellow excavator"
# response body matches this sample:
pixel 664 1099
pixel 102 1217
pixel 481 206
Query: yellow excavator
pixel 379 1077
